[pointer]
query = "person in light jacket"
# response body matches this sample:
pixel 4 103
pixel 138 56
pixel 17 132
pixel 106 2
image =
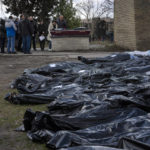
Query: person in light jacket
pixel 52 26
pixel 11 32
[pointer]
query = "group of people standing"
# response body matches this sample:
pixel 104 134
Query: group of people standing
pixel 23 33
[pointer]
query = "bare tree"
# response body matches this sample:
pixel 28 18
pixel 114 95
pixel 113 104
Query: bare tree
pixel 85 8
pixel 91 9
pixel 71 3
pixel 106 8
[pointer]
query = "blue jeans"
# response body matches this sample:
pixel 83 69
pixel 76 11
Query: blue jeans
pixel 11 44
pixel 26 43
pixel 103 38
pixel 50 44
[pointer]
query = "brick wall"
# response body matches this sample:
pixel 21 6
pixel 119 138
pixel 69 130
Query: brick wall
pixel 142 16
pixel 132 24
pixel 124 24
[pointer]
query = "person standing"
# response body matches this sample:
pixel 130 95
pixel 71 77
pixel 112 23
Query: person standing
pixel 42 34
pixel 34 26
pixel 102 30
pixel 11 32
pixel 19 46
pixel 2 35
pixel 16 36
pixel 26 32
pixel 52 26
pixel 61 22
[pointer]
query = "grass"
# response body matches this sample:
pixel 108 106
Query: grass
pixel 11 117
pixel 107 46
pixel 115 48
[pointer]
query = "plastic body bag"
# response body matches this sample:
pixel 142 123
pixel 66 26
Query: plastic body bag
pixel 100 103
pixel 90 148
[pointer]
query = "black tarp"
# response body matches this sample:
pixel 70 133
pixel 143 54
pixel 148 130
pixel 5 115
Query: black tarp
pixel 90 148
pixel 95 104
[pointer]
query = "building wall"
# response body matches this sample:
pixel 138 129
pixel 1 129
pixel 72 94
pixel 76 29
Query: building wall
pixel 70 43
pixel 124 24
pixel 142 15
pixel 132 24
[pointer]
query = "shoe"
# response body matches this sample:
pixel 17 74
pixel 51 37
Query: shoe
pixel 29 53
pixel 35 50
pixel 49 49
pixel 8 52
pixel 14 53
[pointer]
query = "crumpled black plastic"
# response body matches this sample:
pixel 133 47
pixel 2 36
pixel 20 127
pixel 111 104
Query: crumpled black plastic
pixel 89 148
pixel 137 128
pixel 131 144
pixel 100 103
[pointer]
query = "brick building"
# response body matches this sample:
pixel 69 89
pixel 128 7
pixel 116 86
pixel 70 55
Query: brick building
pixel 132 24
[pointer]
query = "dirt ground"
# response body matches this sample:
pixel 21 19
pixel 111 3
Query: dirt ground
pixel 11 66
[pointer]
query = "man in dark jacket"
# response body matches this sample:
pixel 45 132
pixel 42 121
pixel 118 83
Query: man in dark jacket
pixel 26 32
pixel 2 35
pixel 34 26
pixel 19 46
pixel 17 35
pixel 61 22
pixel 102 29
pixel 42 30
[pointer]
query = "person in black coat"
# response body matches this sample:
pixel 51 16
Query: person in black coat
pixel 34 26
pixel 19 46
pixel 26 31
pixel 2 35
pixel 102 30
pixel 42 30
pixel 17 35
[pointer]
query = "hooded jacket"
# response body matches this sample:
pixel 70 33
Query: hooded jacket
pixel 10 28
